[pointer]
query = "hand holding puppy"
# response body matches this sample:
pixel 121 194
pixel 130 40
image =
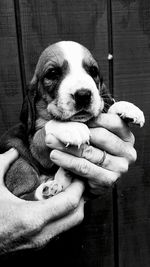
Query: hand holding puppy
pixel 32 224
pixel 108 133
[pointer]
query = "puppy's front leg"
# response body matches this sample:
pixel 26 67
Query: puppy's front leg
pixel 69 133
pixel 128 111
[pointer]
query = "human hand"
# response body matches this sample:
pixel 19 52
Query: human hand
pixel 32 224
pixel 108 133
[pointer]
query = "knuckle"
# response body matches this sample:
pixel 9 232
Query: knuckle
pixel 132 155
pixel 79 214
pixel 72 202
pixel 87 152
pixel 83 167
pixel 93 185
pixel 124 166
pixel 40 242
pixel 132 138
pixel 36 244
pixel 114 177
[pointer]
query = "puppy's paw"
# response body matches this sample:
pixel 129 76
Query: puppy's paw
pixel 128 111
pixel 69 133
pixel 48 189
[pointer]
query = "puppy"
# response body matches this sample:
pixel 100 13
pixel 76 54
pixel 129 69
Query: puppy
pixel 65 93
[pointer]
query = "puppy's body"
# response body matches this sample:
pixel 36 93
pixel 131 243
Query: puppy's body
pixel 66 92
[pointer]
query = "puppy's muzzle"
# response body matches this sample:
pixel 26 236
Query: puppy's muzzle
pixel 82 98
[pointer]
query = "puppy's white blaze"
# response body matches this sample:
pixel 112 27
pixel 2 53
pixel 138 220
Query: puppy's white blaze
pixel 73 53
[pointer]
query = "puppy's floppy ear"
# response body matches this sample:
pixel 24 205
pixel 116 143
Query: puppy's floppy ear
pixel 28 115
pixel 105 94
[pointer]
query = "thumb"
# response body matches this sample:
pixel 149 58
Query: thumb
pixel 63 177
pixel 5 161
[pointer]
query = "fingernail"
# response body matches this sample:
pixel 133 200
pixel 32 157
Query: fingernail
pixel 49 139
pixel 12 149
pixel 54 155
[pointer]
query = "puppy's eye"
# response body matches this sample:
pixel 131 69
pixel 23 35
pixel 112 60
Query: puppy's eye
pixel 93 71
pixel 53 74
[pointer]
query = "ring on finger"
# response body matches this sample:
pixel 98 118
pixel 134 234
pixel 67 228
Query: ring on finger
pixel 101 161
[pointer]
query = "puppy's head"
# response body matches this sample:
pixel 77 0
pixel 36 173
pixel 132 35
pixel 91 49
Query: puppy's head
pixel 68 83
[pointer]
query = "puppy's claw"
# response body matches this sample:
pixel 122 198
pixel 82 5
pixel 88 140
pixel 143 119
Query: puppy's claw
pixel 68 144
pixel 79 145
pixel 122 115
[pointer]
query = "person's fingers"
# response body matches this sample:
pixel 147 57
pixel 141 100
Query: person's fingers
pixel 39 236
pixel 54 143
pixel 111 143
pixel 115 124
pixel 84 168
pixel 30 217
pixel 110 134
pixel 63 177
pixel 95 156
pixel 59 226
pixel 103 139
pixel 55 207
pixel 6 160
pixel 111 122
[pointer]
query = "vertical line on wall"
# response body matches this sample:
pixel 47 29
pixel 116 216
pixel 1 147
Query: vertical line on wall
pixel 110 46
pixel 111 89
pixel 115 226
pixel 20 46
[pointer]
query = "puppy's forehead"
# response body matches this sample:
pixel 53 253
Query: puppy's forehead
pixel 72 52
pixel 65 51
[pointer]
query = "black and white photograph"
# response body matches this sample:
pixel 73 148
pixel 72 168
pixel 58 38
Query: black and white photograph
pixel 75 133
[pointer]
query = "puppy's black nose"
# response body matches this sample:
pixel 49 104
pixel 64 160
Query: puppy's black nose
pixel 82 98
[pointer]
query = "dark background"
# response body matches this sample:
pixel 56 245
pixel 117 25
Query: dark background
pixel 116 229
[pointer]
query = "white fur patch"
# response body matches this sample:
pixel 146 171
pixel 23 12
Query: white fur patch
pixel 73 53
